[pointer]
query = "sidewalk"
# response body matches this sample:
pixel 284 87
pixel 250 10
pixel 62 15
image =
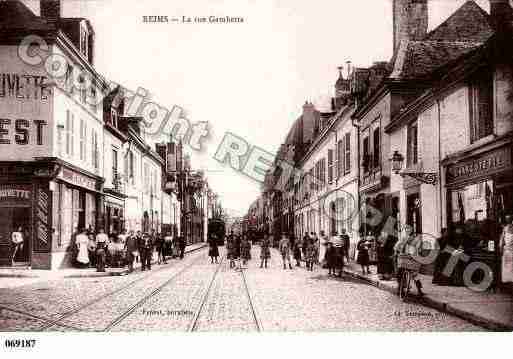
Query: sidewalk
pixel 493 311
pixel 33 275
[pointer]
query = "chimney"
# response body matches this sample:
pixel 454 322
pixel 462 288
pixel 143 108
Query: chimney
pixel 50 10
pixel 410 20
pixel 501 13
pixel 340 69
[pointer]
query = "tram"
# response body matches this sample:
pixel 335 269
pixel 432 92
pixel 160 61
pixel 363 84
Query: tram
pixel 217 227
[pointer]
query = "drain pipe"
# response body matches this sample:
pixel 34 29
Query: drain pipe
pixel 440 164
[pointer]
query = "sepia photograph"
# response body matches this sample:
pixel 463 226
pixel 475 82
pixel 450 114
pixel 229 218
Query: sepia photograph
pixel 241 167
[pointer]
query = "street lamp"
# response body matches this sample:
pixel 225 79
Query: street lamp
pixel 425 177
pixel 397 162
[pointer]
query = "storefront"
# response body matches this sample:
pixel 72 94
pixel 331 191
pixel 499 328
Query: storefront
pixel 376 208
pixel 26 206
pixel 114 213
pixel 479 188
pixel 77 201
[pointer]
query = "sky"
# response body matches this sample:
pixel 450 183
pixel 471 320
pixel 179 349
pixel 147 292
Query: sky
pixel 248 78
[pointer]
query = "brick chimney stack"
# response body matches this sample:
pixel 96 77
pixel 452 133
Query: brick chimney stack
pixel 50 10
pixel 501 13
pixel 410 20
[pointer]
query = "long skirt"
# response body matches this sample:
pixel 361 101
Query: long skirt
pixel 213 251
pixel 265 253
pixel 83 255
pixel 363 258
pixel 335 258
pixel 246 252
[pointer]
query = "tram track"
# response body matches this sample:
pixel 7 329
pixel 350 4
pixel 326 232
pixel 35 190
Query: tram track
pixel 193 326
pixel 258 324
pixel 195 323
pixel 48 321
pixel 145 299
pixel 59 321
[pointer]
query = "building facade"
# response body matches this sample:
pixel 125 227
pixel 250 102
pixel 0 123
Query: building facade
pixel 460 133
pixel 70 156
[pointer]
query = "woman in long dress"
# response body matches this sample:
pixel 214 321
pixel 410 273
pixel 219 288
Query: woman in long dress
pixel 82 242
pixel 245 250
pixel 213 251
pixel 311 254
pixel 363 255
pixel 507 251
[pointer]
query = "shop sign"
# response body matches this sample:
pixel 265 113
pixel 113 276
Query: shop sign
pixel 24 86
pixel 78 179
pixel 487 164
pixel 15 192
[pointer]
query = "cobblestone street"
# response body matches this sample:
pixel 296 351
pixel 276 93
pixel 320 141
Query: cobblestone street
pixel 195 295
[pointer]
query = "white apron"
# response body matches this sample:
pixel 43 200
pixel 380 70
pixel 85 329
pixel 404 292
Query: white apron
pixel 507 258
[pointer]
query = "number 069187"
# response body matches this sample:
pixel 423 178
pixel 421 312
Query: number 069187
pixel 20 343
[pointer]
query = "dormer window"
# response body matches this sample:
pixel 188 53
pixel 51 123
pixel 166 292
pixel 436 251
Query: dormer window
pixel 84 41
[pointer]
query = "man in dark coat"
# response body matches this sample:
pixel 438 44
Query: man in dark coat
pixel 237 246
pixel 181 244
pixel 146 251
pixel 346 243
pixel 131 251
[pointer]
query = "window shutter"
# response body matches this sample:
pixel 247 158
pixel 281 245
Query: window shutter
pixel 330 166
pixel 408 146
pixel 340 159
pixel 415 149
pixel 348 153
pixel 376 149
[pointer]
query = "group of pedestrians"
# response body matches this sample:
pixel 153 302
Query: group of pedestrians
pixel 238 248
pixel 124 249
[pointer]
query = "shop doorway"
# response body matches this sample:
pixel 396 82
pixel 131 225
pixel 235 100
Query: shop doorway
pixel 504 195
pixel 12 218
pixel 413 215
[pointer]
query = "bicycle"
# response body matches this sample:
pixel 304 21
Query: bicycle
pixel 408 267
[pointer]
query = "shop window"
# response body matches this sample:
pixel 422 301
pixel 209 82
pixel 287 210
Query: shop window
pixel 90 211
pixel 412 144
pixel 481 106
pixel 471 208
pixel 66 216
